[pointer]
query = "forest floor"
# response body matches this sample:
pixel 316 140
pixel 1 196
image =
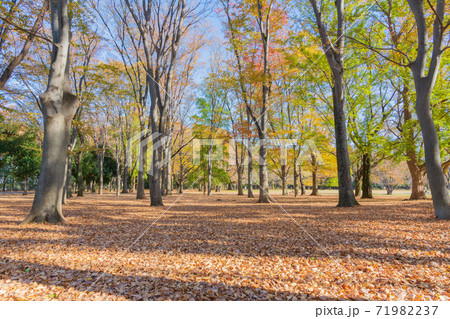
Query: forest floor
pixel 225 247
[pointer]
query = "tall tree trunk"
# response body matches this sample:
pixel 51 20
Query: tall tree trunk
pixel 240 172
pixel 346 195
pixel 358 178
pixel 210 147
pixel 69 177
pixel 117 170
pixel 58 108
pixel 295 180
pixel 315 190
pixel 250 170
pixel 283 180
pixel 302 185
pixel 125 179
pixel 424 80
pixel 334 53
pixel 101 160
pixel 25 186
pixel 264 28
pixel 125 172
pixel 64 195
pixel 140 194
pixel 163 180
pixel 79 163
pixel 439 192
pixel 169 186
pixel 181 175
pixel 155 176
pixel 263 174
pixel 366 180
pixel 417 187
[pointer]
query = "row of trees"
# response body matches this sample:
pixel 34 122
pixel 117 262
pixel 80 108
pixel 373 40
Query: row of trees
pixel 127 71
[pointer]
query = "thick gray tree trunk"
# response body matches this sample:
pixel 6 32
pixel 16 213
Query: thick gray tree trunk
pixel 416 171
pixel 58 109
pixel 424 79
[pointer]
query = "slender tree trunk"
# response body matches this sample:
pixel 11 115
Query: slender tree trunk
pixel 64 195
pixel 117 171
pixel 140 194
pixel 334 53
pixel 125 178
pixel 283 180
pixel 169 187
pixel 69 177
pixel 263 174
pixel 302 185
pixel 101 159
pixel 346 195
pixel 79 162
pixel 163 180
pixel 25 187
pixel 210 147
pixel 366 180
pixel 315 190
pixel 240 172
pixel 295 179
pixel 58 108
pixel 250 171
pixel 181 175
pixel 358 178
pixel 155 177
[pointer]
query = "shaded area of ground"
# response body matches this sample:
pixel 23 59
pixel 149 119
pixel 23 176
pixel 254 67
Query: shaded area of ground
pixel 225 247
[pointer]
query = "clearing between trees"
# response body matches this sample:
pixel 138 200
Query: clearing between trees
pixel 225 247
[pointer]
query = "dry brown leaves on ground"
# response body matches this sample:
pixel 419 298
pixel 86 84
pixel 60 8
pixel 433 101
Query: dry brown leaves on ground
pixel 225 247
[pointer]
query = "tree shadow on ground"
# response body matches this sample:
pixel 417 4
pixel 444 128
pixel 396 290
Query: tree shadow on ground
pixel 135 287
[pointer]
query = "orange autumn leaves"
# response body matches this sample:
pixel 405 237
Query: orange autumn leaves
pixel 225 247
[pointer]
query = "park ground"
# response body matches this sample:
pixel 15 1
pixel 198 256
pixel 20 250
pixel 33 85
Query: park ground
pixel 225 247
